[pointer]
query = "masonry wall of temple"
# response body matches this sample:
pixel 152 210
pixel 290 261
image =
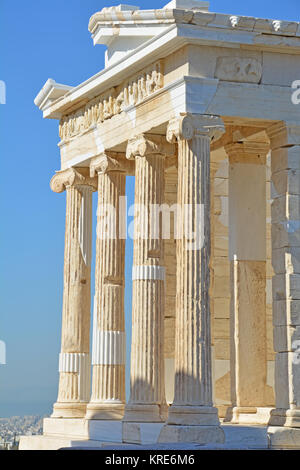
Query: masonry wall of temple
pixel 198 107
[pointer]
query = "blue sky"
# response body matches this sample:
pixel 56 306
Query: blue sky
pixel 39 40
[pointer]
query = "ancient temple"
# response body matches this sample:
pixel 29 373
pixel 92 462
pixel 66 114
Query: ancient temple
pixel 199 107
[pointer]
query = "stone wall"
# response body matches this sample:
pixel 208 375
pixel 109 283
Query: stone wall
pixel 220 281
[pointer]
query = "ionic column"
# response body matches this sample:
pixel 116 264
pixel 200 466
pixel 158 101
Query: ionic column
pixel 285 212
pixel 213 170
pixel 251 397
pixel 74 359
pixel 147 393
pixel 192 417
pixel 108 359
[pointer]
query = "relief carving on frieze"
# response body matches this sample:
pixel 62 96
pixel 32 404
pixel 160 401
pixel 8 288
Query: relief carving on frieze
pixel 113 102
pixel 238 69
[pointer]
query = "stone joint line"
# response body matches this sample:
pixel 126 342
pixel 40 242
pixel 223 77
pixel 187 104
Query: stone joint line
pixel 73 362
pixel 109 347
pixel 156 273
pixel 77 363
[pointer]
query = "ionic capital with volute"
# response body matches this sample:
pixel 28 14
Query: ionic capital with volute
pixel 187 126
pixel 110 161
pixel 72 177
pixel 149 144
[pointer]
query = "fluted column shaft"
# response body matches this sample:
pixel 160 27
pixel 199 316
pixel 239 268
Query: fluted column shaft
pixel 193 356
pixel 192 406
pixel 108 379
pixel 74 360
pixel 147 393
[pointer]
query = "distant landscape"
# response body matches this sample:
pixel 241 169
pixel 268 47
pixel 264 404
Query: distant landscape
pixel 12 428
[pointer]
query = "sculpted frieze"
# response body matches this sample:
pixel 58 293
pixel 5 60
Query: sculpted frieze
pixel 113 102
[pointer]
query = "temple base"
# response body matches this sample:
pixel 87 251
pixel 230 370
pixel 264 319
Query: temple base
pixel 69 410
pixel 104 411
pixel 55 443
pixel 281 437
pixel 141 433
pixel 286 418
pixel 251 415
pixel 95 434
pixel 224 411
pixel 197 424
pixel 187 415
pixel 192 434
pixel 138 413
pixel 58 433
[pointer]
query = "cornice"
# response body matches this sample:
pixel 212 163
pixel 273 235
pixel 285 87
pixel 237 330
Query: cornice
pixel 109 17
pixel 186 27
pixel 50 92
